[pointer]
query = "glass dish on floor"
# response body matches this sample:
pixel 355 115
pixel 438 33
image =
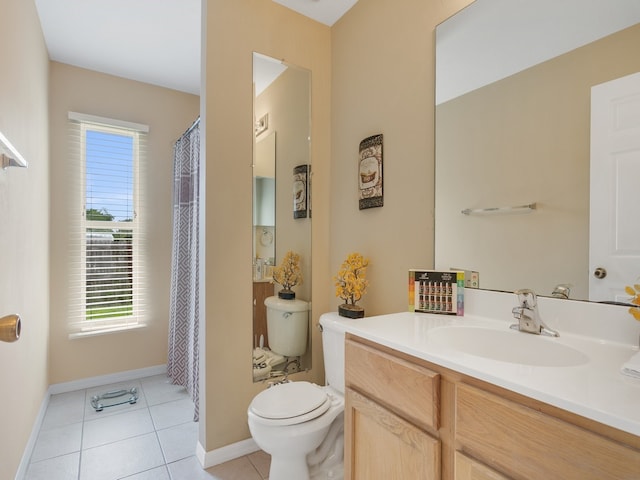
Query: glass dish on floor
pixel 113 398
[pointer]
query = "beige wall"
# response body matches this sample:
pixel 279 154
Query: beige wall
pixel 24 227
pixel 375 66
pixel 525 139
pixel 168 113
pixel 234 30
pixel 383 82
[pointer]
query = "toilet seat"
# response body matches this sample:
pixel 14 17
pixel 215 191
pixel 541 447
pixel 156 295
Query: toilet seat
pixel 290 404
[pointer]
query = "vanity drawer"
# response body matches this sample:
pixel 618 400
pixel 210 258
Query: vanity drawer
pixel 524 443
pixel 408 389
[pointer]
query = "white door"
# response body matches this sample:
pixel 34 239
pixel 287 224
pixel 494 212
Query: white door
pixel 614 227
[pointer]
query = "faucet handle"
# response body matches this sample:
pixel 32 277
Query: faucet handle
pixel 526 297
pixel 562 290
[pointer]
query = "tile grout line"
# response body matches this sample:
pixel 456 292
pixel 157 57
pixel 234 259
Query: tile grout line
pixel 255 468
pixel 84 419
pixel 155 431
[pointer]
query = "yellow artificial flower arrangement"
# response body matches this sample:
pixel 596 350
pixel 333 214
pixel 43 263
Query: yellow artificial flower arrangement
pixel 288 274
pixel 351 284
pixel 635 300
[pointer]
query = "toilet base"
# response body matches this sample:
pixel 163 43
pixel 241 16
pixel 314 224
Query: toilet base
pixel 331 469
pixel 327 461
pixel 288 469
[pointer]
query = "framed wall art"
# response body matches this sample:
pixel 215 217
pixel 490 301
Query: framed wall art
pixel 300 191
pixel 370 172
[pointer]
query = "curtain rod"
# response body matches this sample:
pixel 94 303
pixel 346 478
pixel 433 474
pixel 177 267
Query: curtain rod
pixel 188 130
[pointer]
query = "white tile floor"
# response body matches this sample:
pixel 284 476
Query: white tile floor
pixel 154 439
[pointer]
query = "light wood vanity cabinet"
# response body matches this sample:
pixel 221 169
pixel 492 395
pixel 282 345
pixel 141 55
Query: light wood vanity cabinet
pixel 382 445
pixel 525 443
pixel 409 389
pixel 391 412
pixel 469 469
pixel 408 419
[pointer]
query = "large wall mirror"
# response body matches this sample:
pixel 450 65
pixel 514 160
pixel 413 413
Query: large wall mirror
pixel 513 107
pixel 281 217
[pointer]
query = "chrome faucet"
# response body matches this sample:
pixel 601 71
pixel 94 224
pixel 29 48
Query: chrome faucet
pixel 527 315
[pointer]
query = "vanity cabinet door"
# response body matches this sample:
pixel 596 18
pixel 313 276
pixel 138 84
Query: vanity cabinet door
pixel 381 445
pixel 527 444
pixel 468 469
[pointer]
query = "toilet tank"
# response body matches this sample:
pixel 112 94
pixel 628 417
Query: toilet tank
pixel 333 350
pixel 287 326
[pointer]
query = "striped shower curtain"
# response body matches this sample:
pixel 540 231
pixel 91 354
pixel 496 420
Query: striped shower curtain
pixel 182 363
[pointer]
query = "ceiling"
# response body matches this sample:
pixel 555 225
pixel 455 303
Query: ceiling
pixel 158 42
pixel 323 11
pixel 151 41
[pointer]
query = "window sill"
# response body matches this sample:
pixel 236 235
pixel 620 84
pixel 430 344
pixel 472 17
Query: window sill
pixel 105 330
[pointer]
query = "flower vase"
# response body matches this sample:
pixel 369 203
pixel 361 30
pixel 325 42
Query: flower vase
pixel 350 311
pixel 287 294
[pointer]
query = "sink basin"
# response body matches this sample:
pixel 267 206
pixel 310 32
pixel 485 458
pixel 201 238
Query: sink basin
pixel 508 346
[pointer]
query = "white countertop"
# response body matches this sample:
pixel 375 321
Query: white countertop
pixel 595 389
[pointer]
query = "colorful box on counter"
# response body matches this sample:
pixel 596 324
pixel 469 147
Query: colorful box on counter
pixel 431 291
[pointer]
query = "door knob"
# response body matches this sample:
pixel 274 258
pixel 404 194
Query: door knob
pixel 600 273
pixel 10 327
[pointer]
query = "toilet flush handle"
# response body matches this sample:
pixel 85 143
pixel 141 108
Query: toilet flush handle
pixel 286 314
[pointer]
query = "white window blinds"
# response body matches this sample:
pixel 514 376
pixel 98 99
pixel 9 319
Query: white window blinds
pixel 107 289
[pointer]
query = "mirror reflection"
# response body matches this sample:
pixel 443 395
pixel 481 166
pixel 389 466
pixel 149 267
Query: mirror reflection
pixel 513 127
pixel 281 256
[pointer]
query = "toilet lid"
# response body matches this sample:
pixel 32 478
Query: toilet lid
pixel 289 400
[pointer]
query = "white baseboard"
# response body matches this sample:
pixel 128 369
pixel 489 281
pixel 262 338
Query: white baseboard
pixel 31 442
pixel 78 385
pixel 106 379
pixel 226 453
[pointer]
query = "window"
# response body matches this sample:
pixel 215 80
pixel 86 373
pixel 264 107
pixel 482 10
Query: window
pixel 107 287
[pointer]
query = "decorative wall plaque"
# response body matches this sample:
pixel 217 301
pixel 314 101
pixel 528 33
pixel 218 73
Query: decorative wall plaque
pixel 370 172
pixel 300 191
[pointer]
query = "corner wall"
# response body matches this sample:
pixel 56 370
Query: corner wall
pixel 234 30
pixel 24 227
pixel 168 113
pixel 383 67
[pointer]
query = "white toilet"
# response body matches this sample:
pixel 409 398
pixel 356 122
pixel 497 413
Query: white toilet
pixel 287 325
pixel 300 424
